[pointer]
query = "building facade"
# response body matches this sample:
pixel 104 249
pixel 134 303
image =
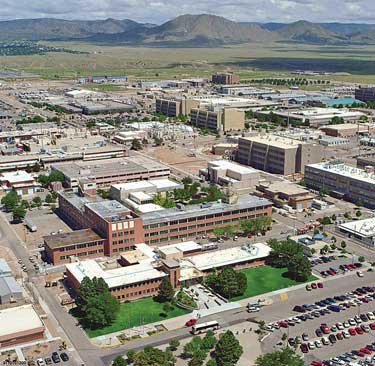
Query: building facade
pixel 226 79
pixel 365 94
pixel 278 155
pixel 343 181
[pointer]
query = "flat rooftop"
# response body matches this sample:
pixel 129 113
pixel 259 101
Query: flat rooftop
pixel 87 169
pixel 274 140
pixel 109 208
pixel 231 256
pixel 16 177
pixel 284 187
pixel 364 227
pixel 166 215
pixel 115 277
pixel 186 246
pixel 345 171
pixel 225 164
pixel 157 184
pixel 19 320
pixel 73 237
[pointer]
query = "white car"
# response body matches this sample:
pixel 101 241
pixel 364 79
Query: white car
pixel 359 273
pixel 346 324
pixel 339 326
pixel 370 315
pixel 40 362
pixel 311 345
pixel 345 334
pixel 318 344
pixel 325 341
pixel 351 321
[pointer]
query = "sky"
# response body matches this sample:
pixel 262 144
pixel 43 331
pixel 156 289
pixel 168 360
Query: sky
pixel 159 11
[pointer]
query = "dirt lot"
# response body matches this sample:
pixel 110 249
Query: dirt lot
pixel 46 222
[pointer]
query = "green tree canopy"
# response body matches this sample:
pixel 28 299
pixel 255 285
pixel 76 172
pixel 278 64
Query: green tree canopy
pixel 10 200
pixel 286 357
pixel 18 213
pixel 166 292
pixel 227 350
pixel 119 361
pixel 136 145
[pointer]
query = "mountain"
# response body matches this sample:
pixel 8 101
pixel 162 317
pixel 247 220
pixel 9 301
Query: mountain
pixel 58 29
pixel 202 30
pixel 306 32
pixel 193 31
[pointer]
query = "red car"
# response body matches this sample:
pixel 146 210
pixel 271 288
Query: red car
pixel 352 331
pixel 316 363
pixel 359 330
pixel 365 351
pixel 372 326
pixel 314 286
pixel 325 328
pixel 283 324
pixel 320 285
pixel 191 322
pixel 358 353
pixel 330 272
pixel 304 348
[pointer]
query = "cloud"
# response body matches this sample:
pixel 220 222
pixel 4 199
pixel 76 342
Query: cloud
pixel 158 11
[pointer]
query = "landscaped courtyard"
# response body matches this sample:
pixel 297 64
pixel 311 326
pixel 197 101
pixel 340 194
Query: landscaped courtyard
pixel 136 313
pixel 265 279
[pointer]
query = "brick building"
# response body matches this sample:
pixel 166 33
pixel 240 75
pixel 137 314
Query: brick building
pixel 225 78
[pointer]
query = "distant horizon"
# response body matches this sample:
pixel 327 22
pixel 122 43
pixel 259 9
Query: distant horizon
pixel 194 14
pixel 160 11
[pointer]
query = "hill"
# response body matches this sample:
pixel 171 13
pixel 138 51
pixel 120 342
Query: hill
pixel 58 29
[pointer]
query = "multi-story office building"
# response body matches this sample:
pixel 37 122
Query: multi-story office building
pixel 218 119
pixel 225 78
pixel 121 229
pixel 276 154
pixel 343 181
pixel 172 225
pixel 112 171
pixel 365 94
pixel 176 107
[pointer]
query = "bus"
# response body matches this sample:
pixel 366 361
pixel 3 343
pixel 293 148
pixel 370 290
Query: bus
pixel 204 327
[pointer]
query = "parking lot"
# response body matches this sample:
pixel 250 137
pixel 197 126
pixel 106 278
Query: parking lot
pixel 309 326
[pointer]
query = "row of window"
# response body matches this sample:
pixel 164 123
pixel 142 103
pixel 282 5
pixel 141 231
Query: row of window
pixel 83 254
pixel 122 233
pixel 133 294
pixel 135 285
pixel 123 241
pixel 81 246
pixel 205 217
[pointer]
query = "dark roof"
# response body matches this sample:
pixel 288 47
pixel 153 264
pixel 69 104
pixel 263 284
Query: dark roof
pixel 71 238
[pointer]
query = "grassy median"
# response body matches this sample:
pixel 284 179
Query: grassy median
pixel 261 280
pixel 136 313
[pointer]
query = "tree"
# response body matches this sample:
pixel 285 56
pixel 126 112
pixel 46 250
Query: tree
pixel 299 268
pixel 136 145
pixel 343 244
pixel 95 303
pixel 174 344
pixel 218 232
pixel 325 220
pixel 361 259
pixel 130 355
pixel 151 356
pixel 36 167
pixel 119 361
pixel 286 357
pixel 18 213
pixel 209 340
pixel 37 201
pixel 228 283
pixel 49 198
pixel 227 350
pixel 192 347
pixel 10 200
pixel 166 292
pixel 324 192
pixel 358 213
pixel 187 181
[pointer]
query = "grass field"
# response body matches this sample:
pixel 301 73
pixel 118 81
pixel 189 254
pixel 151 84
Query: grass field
pixel 349 63
pixel 136 313
pixel 265 279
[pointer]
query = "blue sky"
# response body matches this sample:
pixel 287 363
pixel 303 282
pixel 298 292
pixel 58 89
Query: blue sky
pixel 158 11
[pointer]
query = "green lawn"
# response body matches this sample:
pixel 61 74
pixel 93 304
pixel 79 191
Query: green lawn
pixel 136 313
pixel 265 279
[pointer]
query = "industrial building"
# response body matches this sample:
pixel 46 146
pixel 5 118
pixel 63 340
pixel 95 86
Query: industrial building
pixel 278 155
pixel 182 263
pixel 174 107
pixel 218 119
pixel 343 181
pixel 10 290
pixel 20 181
pixel 121 228
pixel 226 173
pixel 315 117
pixel 348 129
pixel 19 325
pixel 225 78
pixel 365 94
pixel 286 193
pixel 106 173
pixel 362 231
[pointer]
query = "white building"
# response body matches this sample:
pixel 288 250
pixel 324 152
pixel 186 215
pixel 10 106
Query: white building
pixel 361 230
